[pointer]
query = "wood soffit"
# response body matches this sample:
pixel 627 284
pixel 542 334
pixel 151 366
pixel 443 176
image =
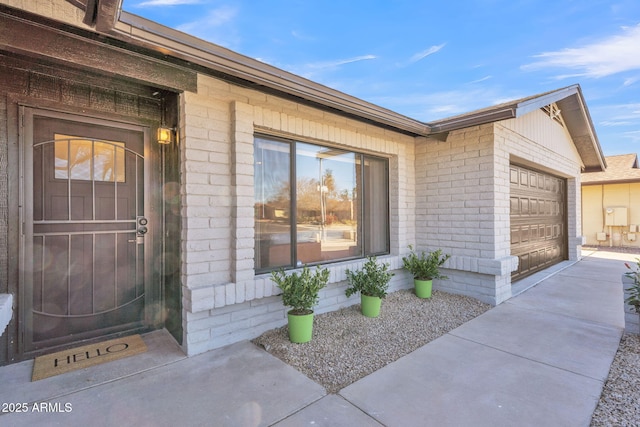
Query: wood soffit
pixel 55 42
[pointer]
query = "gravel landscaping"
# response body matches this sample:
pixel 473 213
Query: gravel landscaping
pixel 346 346
pixel 620 400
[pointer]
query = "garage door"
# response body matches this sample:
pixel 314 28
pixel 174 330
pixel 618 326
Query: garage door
pixel 538 220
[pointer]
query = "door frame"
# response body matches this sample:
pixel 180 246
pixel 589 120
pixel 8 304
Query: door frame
pixel 153 292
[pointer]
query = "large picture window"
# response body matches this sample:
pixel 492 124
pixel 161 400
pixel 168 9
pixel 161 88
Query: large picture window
pixel 332 204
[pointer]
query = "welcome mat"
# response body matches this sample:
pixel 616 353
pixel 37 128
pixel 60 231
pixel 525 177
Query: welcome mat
pixel 58 363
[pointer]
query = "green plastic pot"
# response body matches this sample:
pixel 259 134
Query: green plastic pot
pixel 370 305
pixel 300 327
pixel 423 288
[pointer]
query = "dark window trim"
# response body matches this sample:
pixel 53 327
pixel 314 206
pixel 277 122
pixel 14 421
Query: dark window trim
pixel 361 201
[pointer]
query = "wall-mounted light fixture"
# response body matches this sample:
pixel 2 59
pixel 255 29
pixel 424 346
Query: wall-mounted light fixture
pixel 165 135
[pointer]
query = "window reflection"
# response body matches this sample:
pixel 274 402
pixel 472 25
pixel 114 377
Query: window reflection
pixel 324 213
pixel 327 209
pixel 85 159
pixel 272 203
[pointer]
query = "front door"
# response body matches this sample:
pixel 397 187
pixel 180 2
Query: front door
pixel 85 230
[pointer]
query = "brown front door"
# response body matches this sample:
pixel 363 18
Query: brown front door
pixel 85 230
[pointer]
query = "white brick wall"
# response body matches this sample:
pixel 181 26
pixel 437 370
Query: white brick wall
pixel 462 201
pixel 460 210
pixel 217 128
pixel 451 194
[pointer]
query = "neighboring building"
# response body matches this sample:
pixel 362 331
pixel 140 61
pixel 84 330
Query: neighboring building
pixel 105 232
pixel 611 203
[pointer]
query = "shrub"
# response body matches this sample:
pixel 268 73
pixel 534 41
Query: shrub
pixel 372 280
pixel 634 291
pixel 425 266
pixel 300 290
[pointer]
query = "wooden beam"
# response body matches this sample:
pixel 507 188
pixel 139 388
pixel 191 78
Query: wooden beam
pixel 107 16
pixel 40 41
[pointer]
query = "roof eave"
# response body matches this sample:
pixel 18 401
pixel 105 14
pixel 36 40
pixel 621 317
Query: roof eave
pixel 579 123
pixel 584 130
pixel 110 19
pixel 472 119
pixel 615 181
pixel 145 33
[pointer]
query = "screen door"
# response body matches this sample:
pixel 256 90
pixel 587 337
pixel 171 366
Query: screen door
pixel 85 229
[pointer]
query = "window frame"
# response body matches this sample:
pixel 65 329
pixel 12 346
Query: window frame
pixel 293 203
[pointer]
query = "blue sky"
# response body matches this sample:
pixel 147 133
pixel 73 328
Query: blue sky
pixel 431 60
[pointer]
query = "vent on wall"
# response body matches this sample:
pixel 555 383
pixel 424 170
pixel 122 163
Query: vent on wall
pixel 553 111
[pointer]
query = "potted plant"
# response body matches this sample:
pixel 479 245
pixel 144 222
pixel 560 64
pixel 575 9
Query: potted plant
pixel 300 292
pixel 372 282
pixel 632 293
pixel 424 268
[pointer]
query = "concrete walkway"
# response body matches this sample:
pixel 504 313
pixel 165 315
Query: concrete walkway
pixel 539 359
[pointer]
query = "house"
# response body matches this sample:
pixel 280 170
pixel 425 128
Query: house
pixel 611 203
pixel 152 180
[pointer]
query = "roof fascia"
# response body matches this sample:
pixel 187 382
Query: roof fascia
pixel 541 101
pixel 605 182
pixel 473 119
pixel 592 132
pixel 501 112
pixel 112 20
pixel 145 33
pixel 518 109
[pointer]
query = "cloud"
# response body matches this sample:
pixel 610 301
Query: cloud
pixel 421 55
pixel 301 36
pixel 614 115
pixel 613 123
pixel 632 137
pixel 485 78
pixel 214 27
pixel 630 81
pixel 438 105
pixel 614 54
pixel 150 3
pixel 314 70
pixel 214 18
pixel 339 62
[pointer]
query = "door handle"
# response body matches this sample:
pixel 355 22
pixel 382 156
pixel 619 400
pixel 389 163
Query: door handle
pixel 142 225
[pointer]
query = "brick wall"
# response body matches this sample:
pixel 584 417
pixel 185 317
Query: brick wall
pixel 460 210
pixel 554 154
pixel 462 198
pixel 451 194
pixel 223 300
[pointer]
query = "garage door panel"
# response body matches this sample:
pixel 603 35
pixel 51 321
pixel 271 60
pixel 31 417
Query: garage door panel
pixel 538 220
